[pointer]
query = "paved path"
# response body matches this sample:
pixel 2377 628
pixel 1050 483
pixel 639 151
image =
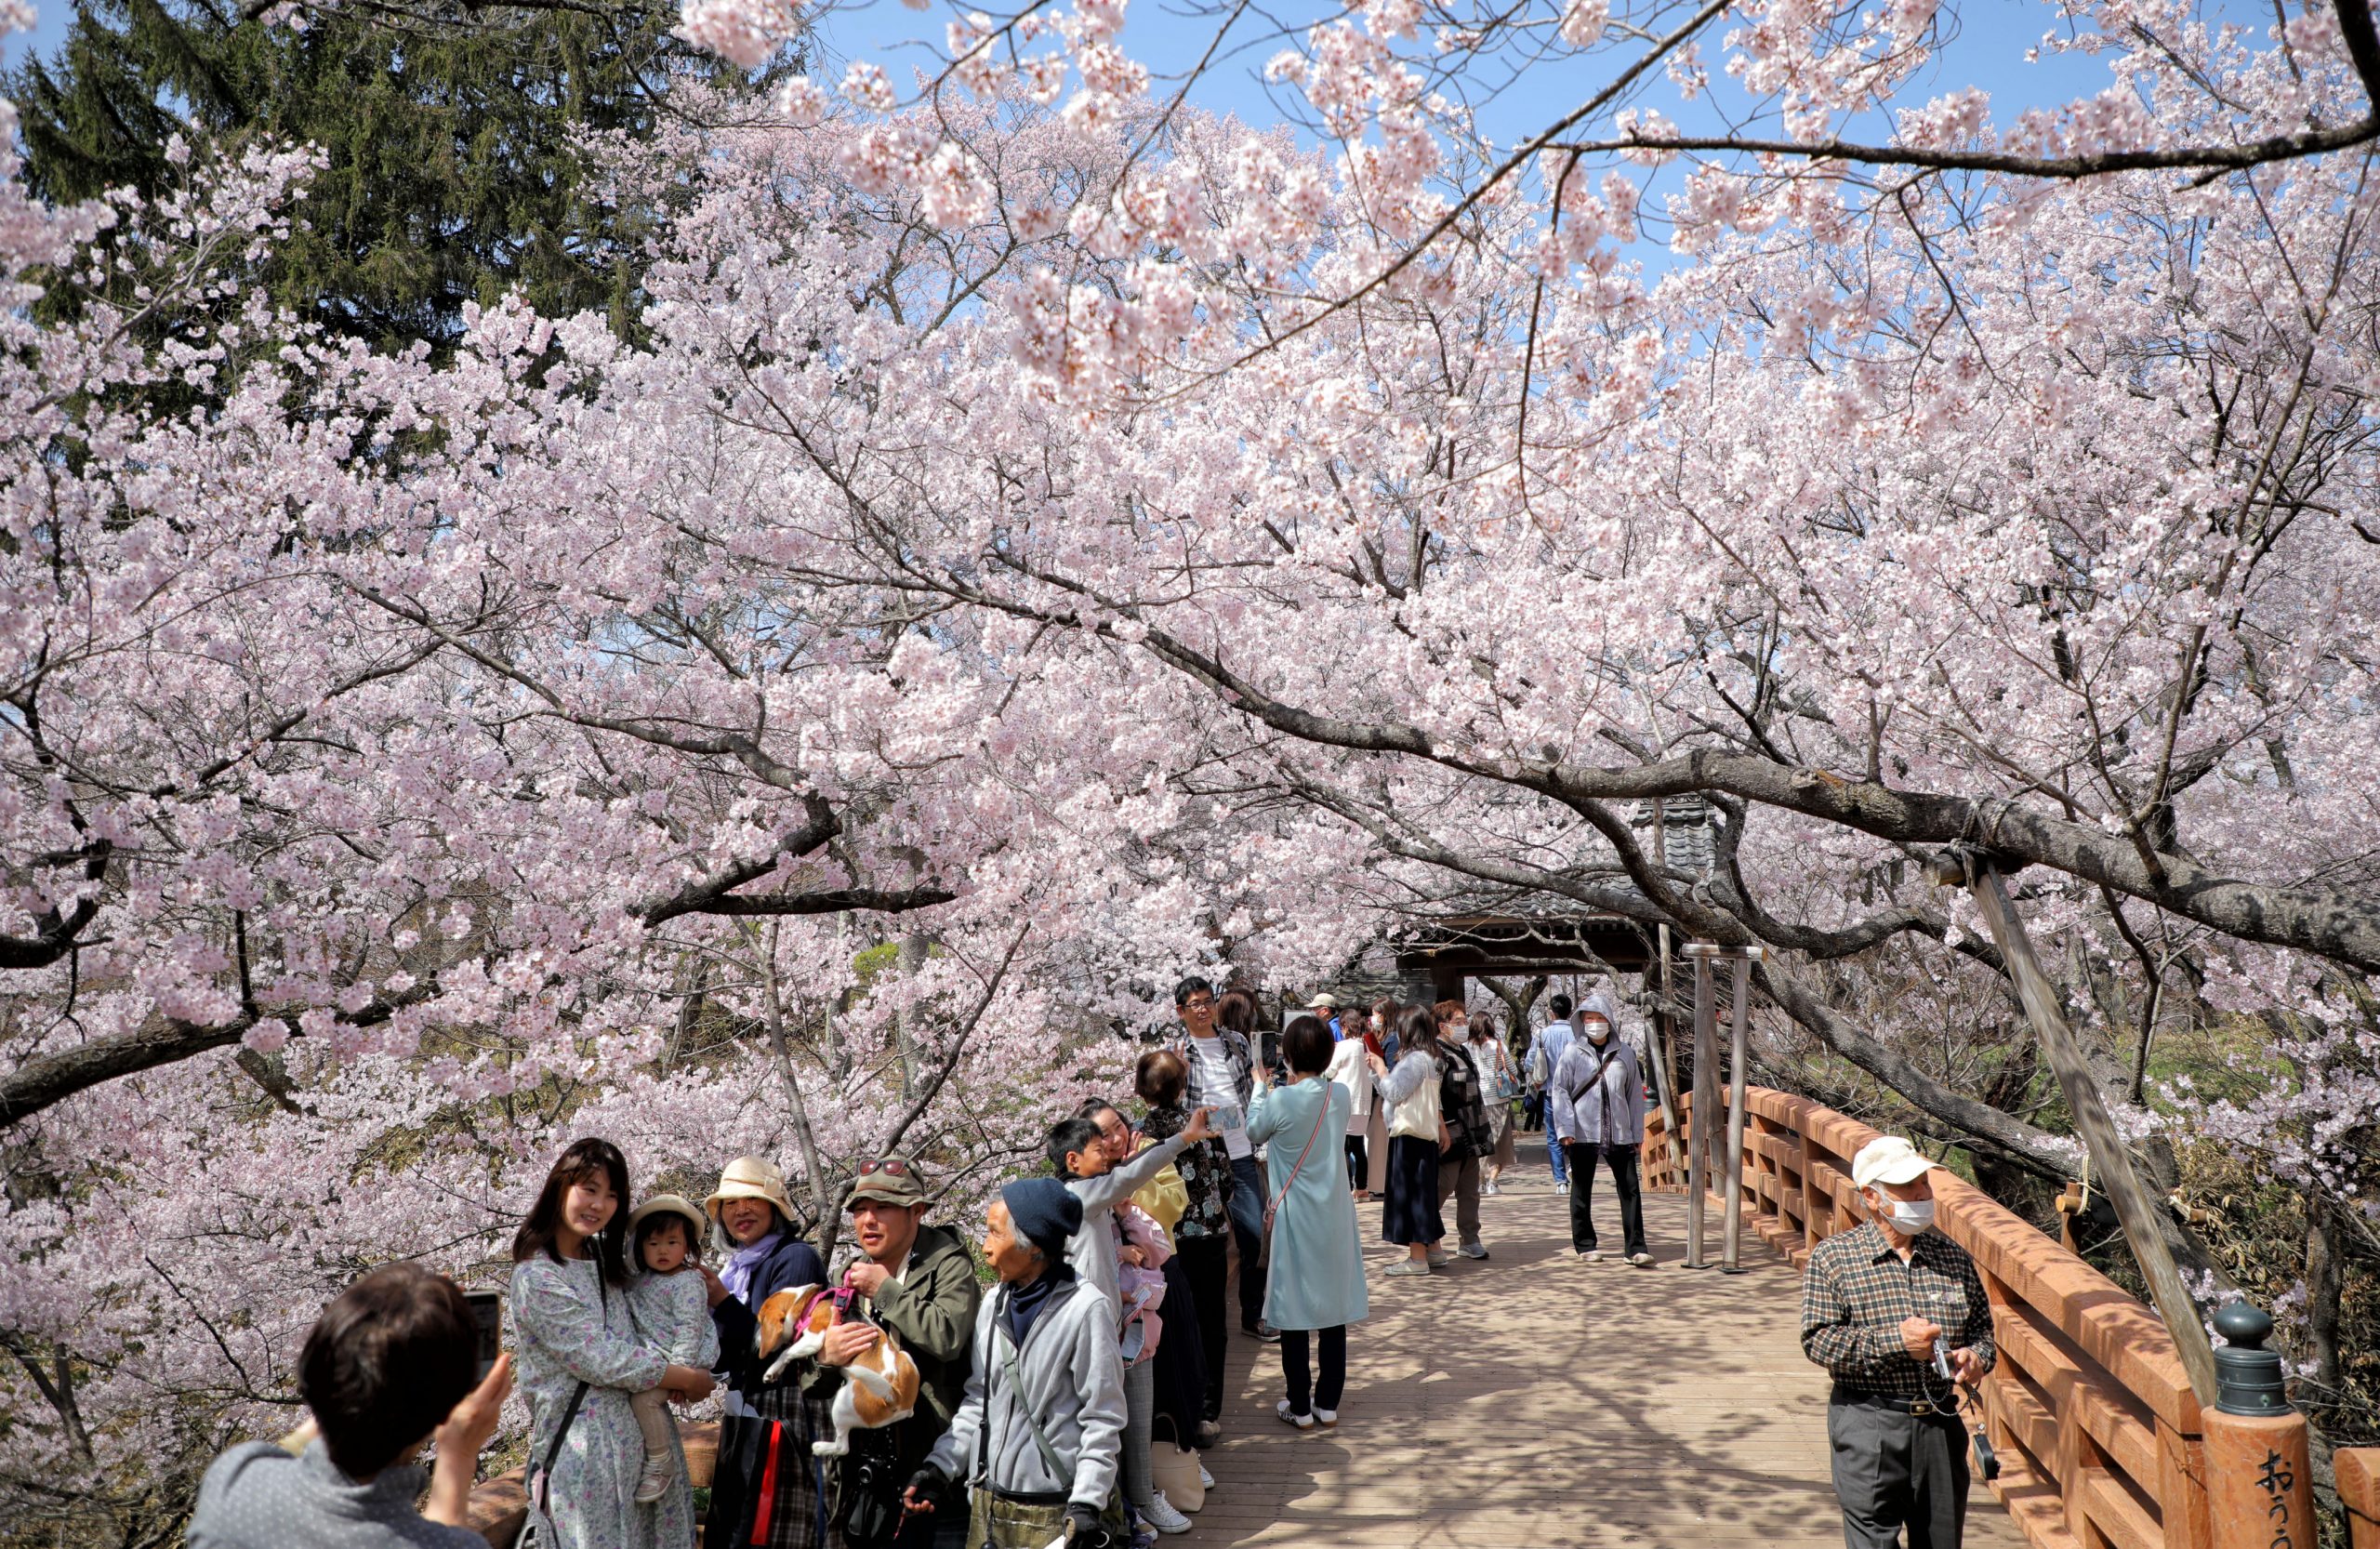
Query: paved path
pixel 1535 1401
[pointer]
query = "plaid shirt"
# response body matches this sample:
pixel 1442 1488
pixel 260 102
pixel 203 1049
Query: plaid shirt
pixel 1856 1294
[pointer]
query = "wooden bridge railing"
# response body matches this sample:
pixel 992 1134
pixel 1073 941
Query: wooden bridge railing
pixel 2098 1429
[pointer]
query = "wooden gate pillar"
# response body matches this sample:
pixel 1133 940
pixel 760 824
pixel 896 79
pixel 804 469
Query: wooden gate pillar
pixel 2259 1480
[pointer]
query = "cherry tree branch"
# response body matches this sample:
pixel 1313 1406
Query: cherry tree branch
pixel 52 1078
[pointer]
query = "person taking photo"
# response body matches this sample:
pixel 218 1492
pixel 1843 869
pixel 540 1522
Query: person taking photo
pixel 390 1366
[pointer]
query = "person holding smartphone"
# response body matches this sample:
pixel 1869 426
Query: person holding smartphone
pixel 1880 1304
pixel 390 1366
pixel 1222 1077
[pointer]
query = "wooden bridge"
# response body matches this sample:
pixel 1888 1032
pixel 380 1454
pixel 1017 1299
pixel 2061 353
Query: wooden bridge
pixel 1536 1399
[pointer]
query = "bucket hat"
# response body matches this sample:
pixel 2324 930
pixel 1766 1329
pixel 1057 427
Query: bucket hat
pixel 891 1181
pixel 750 1178
pixel 670 1204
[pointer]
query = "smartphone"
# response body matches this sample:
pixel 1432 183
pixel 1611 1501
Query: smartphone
pixel 487 1316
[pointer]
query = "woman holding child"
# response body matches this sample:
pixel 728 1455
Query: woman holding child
pixel 582 1357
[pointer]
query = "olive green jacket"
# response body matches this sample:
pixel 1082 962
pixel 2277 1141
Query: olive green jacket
pixel 932 1310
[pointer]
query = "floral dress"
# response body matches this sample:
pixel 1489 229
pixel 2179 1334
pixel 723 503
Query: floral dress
pixel 571 1327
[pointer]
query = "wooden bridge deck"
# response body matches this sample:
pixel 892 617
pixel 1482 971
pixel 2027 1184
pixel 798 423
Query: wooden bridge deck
pixel 1537 1401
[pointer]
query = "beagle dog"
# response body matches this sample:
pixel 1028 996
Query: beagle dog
pixel 880 1387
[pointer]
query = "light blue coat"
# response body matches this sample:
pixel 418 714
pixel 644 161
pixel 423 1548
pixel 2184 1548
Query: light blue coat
pixel 1316 1279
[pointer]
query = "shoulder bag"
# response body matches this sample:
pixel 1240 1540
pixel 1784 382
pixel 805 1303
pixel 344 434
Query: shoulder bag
pixel 541 1480
pixel 1273 1207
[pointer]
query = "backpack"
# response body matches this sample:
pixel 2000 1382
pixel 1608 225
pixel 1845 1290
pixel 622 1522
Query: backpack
pixel 1539 1072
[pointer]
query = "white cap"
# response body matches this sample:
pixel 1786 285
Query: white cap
pixel 1888 1159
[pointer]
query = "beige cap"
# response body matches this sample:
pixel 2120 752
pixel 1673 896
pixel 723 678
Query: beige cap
pixel 1888 1159
pixel 1325 1001
pixel 750 1178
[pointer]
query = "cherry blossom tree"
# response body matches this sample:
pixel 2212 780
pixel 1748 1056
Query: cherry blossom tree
pixel 1050 538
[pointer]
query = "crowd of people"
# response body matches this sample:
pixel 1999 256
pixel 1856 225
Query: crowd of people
pixel 1069 1398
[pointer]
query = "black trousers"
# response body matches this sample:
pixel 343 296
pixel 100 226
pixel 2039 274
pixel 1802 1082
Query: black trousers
pixel 1896 1470
pixel 1622 1160
pixel 1204 1260
pixel 1247 1208
pixel 1357 1163
pixel 1330 1386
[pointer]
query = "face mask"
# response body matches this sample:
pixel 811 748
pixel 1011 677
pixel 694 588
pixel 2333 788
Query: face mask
pixel 1598 1034
pixel 1910 1217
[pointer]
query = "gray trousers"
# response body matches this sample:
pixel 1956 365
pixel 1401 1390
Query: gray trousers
pixel 1461 1180
pixel 1894 1469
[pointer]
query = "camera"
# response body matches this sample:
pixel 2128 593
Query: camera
pixel 871 1491
pixel 1942 1359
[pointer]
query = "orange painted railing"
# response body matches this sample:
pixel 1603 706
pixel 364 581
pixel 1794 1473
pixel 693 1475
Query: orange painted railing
pixel 2358 1476
pixel 2097 1430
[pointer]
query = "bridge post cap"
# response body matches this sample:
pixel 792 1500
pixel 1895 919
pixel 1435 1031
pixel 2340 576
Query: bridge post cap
pixel 2248 1378
pixel 2243 1325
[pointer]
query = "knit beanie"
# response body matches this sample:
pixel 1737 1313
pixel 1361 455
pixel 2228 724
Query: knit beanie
pixel 1044 1212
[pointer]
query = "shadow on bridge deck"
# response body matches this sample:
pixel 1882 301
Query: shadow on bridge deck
pixel 1537 1401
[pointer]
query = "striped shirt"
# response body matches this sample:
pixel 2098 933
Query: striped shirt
pixel 1858 1290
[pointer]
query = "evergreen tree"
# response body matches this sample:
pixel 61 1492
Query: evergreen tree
pixel 458 138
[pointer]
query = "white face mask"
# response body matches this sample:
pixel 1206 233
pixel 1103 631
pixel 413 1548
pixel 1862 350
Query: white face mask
pixel 1598 1033
pixel 1910 1217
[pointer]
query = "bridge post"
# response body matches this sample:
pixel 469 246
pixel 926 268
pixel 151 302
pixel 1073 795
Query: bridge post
pixel 1738 1091
pixel 2359 1475
pixel 2259 1479
pixel 1706 1103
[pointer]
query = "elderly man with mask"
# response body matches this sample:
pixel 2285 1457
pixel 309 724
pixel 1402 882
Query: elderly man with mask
pixel 1877 1303
pixel 1596 1097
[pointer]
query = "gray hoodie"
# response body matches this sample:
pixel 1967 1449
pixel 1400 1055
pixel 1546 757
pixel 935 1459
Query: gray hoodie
pixel 1605 1111
pixel 1072 1384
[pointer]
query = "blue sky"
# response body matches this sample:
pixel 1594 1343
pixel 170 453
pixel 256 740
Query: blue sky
pixel 1992 40
pixel 1169 36
pixel 1990 52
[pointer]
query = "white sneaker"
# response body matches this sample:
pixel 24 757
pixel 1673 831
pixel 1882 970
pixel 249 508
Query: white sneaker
pixel 1160 1515
pixel 1326 1418
pixel 654 1483
pixel 1562 1188
pixel 1487 1189
pixel 1291 1417
pixel 1206 1480
pixel 1592 1255
pixel 1642 1261
pixel 1440 1258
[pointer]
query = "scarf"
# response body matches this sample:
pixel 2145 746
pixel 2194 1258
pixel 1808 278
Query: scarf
pixel 737 1274
pixel 1025 1301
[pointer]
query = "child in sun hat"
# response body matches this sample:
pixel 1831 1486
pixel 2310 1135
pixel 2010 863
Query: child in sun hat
pixel 672 1311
